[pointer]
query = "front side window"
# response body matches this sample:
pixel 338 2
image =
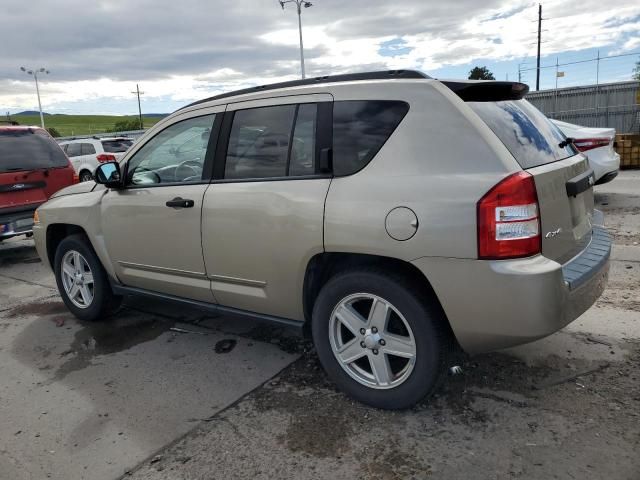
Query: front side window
pixel 175 155
pixel 270 142
pixel 360 128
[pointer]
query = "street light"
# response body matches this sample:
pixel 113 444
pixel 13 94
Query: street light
pixel 35 73
pixel 299 5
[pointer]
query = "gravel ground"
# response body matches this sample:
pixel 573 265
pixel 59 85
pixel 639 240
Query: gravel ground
pixel 564 407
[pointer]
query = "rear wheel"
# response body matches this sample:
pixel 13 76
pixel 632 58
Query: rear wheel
pixel 85 176
pixel 82 281
pixel 380 340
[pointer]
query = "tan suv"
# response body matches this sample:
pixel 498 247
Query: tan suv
pixel 393 215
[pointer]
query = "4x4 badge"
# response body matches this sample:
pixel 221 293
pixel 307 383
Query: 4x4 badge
pixel 554 232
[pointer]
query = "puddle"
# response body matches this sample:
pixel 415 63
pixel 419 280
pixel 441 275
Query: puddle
pixel 105 338
pixel 225 346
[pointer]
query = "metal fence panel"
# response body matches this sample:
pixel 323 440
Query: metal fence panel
pixel 606 105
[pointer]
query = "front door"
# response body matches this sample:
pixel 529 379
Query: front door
pixel 262 217
pixel 152 226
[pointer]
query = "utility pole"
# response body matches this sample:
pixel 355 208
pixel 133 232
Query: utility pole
pixel 299 5
pixel 539 38
pixel 138 93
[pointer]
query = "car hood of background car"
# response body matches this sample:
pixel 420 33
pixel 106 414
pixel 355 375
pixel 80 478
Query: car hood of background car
pixel 83 187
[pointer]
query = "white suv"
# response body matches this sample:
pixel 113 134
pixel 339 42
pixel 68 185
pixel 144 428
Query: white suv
pixel 87 153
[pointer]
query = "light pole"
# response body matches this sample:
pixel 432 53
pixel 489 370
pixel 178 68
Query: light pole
pixel 35 73
pixel 299 5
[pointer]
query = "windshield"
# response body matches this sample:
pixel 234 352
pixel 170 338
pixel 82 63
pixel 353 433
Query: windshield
pixel 116 146
pixel 530 136
pixel 28 150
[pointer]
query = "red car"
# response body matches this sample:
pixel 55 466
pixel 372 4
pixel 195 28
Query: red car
pixel 32 168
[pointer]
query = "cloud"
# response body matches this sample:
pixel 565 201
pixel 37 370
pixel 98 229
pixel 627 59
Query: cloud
pixel 190 49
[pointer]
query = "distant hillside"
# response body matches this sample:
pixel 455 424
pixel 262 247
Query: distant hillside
pixel 82 124
pixel 31 112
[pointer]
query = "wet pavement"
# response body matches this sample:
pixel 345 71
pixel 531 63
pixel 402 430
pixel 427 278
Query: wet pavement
pixel 162 393
pixel 92 400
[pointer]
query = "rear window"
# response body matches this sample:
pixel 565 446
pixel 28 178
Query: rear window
pixel 116 146
pixel 26 150
pixel 360 128
pixel 530 136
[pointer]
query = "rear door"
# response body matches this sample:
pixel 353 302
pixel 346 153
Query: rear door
pixel 563 178
pixel 32 168
pixel 262 217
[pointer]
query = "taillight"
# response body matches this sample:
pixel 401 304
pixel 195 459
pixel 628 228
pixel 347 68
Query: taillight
pixel 105 157
pixel 509 219
pixel 584 144
pixel 75 178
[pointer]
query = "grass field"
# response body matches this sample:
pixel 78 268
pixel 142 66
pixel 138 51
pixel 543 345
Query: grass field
pixel 80 124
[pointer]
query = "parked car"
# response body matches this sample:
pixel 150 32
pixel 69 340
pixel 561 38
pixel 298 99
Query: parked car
pixel 597 145
pixel 392 216
pixel 87 153
pixel 32 168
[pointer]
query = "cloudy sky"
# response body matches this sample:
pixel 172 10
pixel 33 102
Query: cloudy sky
pixel 179 51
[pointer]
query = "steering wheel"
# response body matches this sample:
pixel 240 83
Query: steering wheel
pixel 194 167
pixel 148 173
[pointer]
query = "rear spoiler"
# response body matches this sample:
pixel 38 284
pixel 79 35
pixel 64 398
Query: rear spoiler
pixel 487 91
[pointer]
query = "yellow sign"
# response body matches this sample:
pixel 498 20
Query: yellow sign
pixel 559 74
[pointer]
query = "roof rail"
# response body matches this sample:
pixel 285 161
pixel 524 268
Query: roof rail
pixel 348 77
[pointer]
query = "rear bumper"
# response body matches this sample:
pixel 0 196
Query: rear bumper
pixel 16 223
pixel 498 304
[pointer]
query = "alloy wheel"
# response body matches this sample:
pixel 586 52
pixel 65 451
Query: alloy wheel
pixel 372 341
pixel 77 279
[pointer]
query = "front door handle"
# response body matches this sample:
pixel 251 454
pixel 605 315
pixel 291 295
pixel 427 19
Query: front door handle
pixel 179 202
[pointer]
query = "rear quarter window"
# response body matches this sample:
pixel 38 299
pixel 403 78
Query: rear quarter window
pixel 28 150
pixel 530 136
pixel 360 129
pixel 116 146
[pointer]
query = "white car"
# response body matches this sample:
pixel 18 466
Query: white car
pixel 87 153
pixel 597 145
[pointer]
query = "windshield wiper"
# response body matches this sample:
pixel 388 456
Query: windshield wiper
pixel 566 142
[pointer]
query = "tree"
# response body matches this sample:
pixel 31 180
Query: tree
pixel 481 73
pixel 126 125
pixel 636 71
pixel 53 131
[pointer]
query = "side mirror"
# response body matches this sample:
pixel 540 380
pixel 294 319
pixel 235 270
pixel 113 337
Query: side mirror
pixel 108 174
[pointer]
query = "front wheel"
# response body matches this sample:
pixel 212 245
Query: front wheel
pixel 82 281
pixel 85 176
pixel 379 339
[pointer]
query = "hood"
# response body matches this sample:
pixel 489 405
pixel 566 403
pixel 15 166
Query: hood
pixel 83 187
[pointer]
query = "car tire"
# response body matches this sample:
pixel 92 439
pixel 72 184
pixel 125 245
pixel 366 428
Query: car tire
pixel 85 176
pixel 77 265
pixel 425 327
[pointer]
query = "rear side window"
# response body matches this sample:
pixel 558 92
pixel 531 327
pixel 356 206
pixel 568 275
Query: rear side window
pixel 87 149
pixel 269 142
pixel 530 136
pixel 73 149
pixel 116 146
pixel 26 150
pixel 360 128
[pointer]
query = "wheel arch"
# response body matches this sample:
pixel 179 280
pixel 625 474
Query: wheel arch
pixel 56 232
pixel 324 266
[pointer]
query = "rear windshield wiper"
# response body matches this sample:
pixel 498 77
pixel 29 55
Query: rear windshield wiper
pixel 566 142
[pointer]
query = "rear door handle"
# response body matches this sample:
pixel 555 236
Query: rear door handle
pixel 179 202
